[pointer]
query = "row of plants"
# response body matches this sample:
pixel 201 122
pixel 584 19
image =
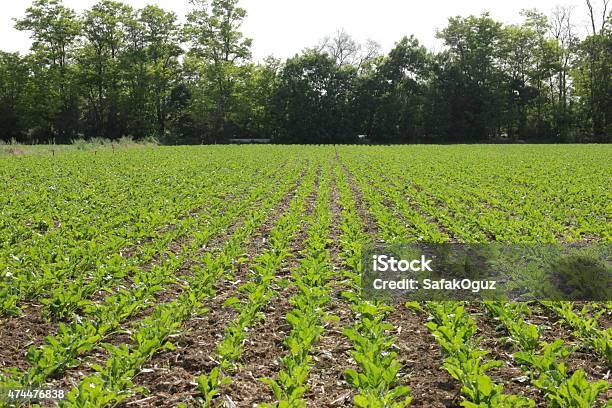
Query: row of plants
pixel 257 291
pixel 455 330
pixel 311 279
pixel 63 350
pixel 545 362
pixel 376 380
pixel 112 382
pixel 585 325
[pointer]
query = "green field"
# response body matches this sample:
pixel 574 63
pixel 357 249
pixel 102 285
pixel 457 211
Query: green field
pixel 230 276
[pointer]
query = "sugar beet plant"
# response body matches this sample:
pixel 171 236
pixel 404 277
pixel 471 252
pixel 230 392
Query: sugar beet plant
pixel 256 293
pixel 311 280
pixel 586 327
pixel 377 381
pixel 63 350
pixel 455 330
pixel 544 361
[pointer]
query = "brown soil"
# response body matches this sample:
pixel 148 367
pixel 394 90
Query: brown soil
pixel 18 334
pixel 264 347
pixel 326 382
pixel 170 375
pixel 421 360
pixel 261 355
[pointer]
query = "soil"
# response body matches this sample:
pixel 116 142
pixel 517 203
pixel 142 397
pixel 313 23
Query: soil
pixel 264 347
pixel 421 360
pixel 327 386
pixel 170 375
pixel 18 334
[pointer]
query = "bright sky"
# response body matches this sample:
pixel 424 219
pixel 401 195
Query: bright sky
pixel 285 27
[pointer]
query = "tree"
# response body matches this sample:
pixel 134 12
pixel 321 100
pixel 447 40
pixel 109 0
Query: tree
pixel 346 51
pixel 313 101
pixel 342 47
pixel 474 50
pixel 545 53
pixel 562 30
pixel 592 74
pixel 213 32
pixel 518 63
pixel 150 69
pixel 101 71
pixel 54 30
pixel 161 34
pixel 391 100
pixel 13 82
pixel 253 96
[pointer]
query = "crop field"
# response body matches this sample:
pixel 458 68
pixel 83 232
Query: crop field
pixel 229 276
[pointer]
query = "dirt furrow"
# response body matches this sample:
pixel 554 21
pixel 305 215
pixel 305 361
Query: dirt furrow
pixel 264 346
pixel 421 359
pixel 170 375
pixel 418 352
pixel 327 385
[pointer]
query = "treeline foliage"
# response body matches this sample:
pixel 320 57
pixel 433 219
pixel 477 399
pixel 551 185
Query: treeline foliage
pixel 115 71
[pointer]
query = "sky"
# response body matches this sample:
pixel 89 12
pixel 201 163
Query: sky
pixel 284 27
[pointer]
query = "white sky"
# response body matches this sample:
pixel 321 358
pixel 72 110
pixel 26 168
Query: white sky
pixel 285 27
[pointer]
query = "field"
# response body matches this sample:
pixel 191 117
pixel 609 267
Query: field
pixel 229 276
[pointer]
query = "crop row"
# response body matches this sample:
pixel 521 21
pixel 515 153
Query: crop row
pixel 258 291
pixel 113 381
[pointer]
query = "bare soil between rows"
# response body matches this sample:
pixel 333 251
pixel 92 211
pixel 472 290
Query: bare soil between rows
pixel 170 375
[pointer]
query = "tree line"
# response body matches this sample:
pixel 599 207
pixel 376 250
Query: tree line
pixel 115 71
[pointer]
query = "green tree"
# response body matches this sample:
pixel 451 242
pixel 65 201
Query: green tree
pixel 101 72
pixel 54 30
pixel 563 32
pixel 253 96
pixel 391 100
pixel 213 32
pixel 545 57
pixel 517 64
pixel 13 87
pixel 314 99
pixel 162 46
pixel 150 69
pixel 592 77
pixel 474 49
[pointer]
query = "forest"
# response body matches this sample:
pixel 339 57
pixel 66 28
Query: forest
pixel 114 71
